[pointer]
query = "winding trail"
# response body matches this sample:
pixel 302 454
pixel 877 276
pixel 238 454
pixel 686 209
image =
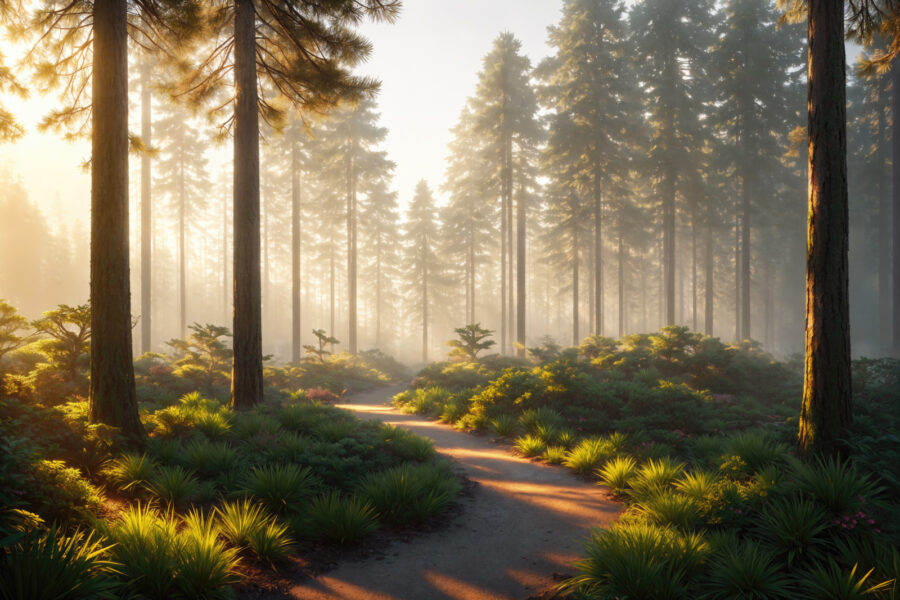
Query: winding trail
pixel 523 522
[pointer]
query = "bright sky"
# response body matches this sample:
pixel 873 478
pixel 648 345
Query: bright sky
pixel 428 62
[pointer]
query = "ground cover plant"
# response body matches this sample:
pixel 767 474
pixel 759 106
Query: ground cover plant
pixel 210 491
pixel 696 438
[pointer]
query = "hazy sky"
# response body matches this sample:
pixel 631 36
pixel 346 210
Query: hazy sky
pixel 428 62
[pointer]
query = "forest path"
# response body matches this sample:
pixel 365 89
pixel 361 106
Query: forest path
pixel 522 522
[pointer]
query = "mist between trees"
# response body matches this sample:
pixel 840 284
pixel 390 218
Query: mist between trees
pixel 651 171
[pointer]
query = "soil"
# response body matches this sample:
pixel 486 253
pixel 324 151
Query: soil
pixel 514 533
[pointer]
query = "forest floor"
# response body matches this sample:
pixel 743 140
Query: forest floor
pixel 512 537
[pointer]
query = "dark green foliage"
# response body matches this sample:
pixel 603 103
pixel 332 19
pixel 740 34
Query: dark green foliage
pixel 747 570
pixel 336 518
pixel 410 493
pixel 173 486
pixel 281 487
pixel 796 528
pixel 49 565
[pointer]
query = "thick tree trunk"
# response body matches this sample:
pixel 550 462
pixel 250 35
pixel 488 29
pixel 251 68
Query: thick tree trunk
pixel 146 213
pixel 295 253
pixel 351 254
pixel 895 220
pixel 826 410
pixel 598 254
pixel 746 191
pixel 668 186
pixel 113 400
pixel 520 275
pixel 247 378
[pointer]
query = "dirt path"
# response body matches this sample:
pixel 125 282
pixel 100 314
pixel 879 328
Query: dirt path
pixel 524 522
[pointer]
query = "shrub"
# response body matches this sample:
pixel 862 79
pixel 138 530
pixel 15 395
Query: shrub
pixel 270 542
pixel 144 544
pixel 696 484
pixel 833 582
pixel 534 419
pixel 252 425
pixel 208 459
pixel 795 528
pixel 838 485
pixel 588 454
pixel 335 431
pixel 756 449
pixel 174 486
pixel 505 425
pixel 410 493
pixel 555 455
pixel 408 445
pixel 281 487
pixel 336 518
pixel 747 571
pixel 130 470
pixel 655 476
pixel 668 508
pixel 617 473
pixel 638 560
pixel 205 568
pixel 48 565
pixel 530 445
pixel 61 492
pixel 239 520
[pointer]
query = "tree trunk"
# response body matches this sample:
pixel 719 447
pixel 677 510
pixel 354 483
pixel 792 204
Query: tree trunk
pixel 146 213
pixel 378 298
pixel 575 336
pixel 295 252
pixel 247 378
pixel 503 259
pixel 520 275
pixel 746 191
pixel 331 291
pixel 709 265
pixel 737 277
pixel 826 410
pixel 895 220
pixel 884 238
pixel 113 400
pixel 598 254
pixel 351 253
pixel 266 293
pixel 182 255
pixel 621 283
pixel 695 318
pixel 425 307
pixel 669 242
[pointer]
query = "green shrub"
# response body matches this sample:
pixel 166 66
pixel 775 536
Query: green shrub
pixel 834 582
pixel 838 485
pixel 655 476
pixel 144 544
pixel 534 419
pixel 617 473
pixel 239 520
pixel 214 425
pixel 271 542
pixel 696 484
pixel 505 425
pixel 530 445
pixel 638 560
pixel 204 567
pixel 336 518
pixel 130 470
pixel 795 528
pixel 48 565
pixel 757 449
pixel 174 486
pixel 588 454
pixel 410 493
pixel 453 410
pixel 406 444
pixel 252 425
pixel 208 459
pixel 747 571
pixel 281 487
pixel 61 492
pixel 669 509
pixel 335 431
pixel 555 455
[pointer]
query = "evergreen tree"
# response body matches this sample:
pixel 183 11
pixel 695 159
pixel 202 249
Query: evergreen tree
pixel 504 111
pixel 303 51
pixel 181 176
pixel 672 38
pixel 378 225
pixel 590 86
pixel 424 269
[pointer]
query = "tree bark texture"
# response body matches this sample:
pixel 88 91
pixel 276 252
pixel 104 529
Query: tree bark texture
pixel 247 379
pixel 113 400
pixel 826 410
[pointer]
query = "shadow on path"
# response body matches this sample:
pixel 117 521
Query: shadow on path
pixel 524 522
